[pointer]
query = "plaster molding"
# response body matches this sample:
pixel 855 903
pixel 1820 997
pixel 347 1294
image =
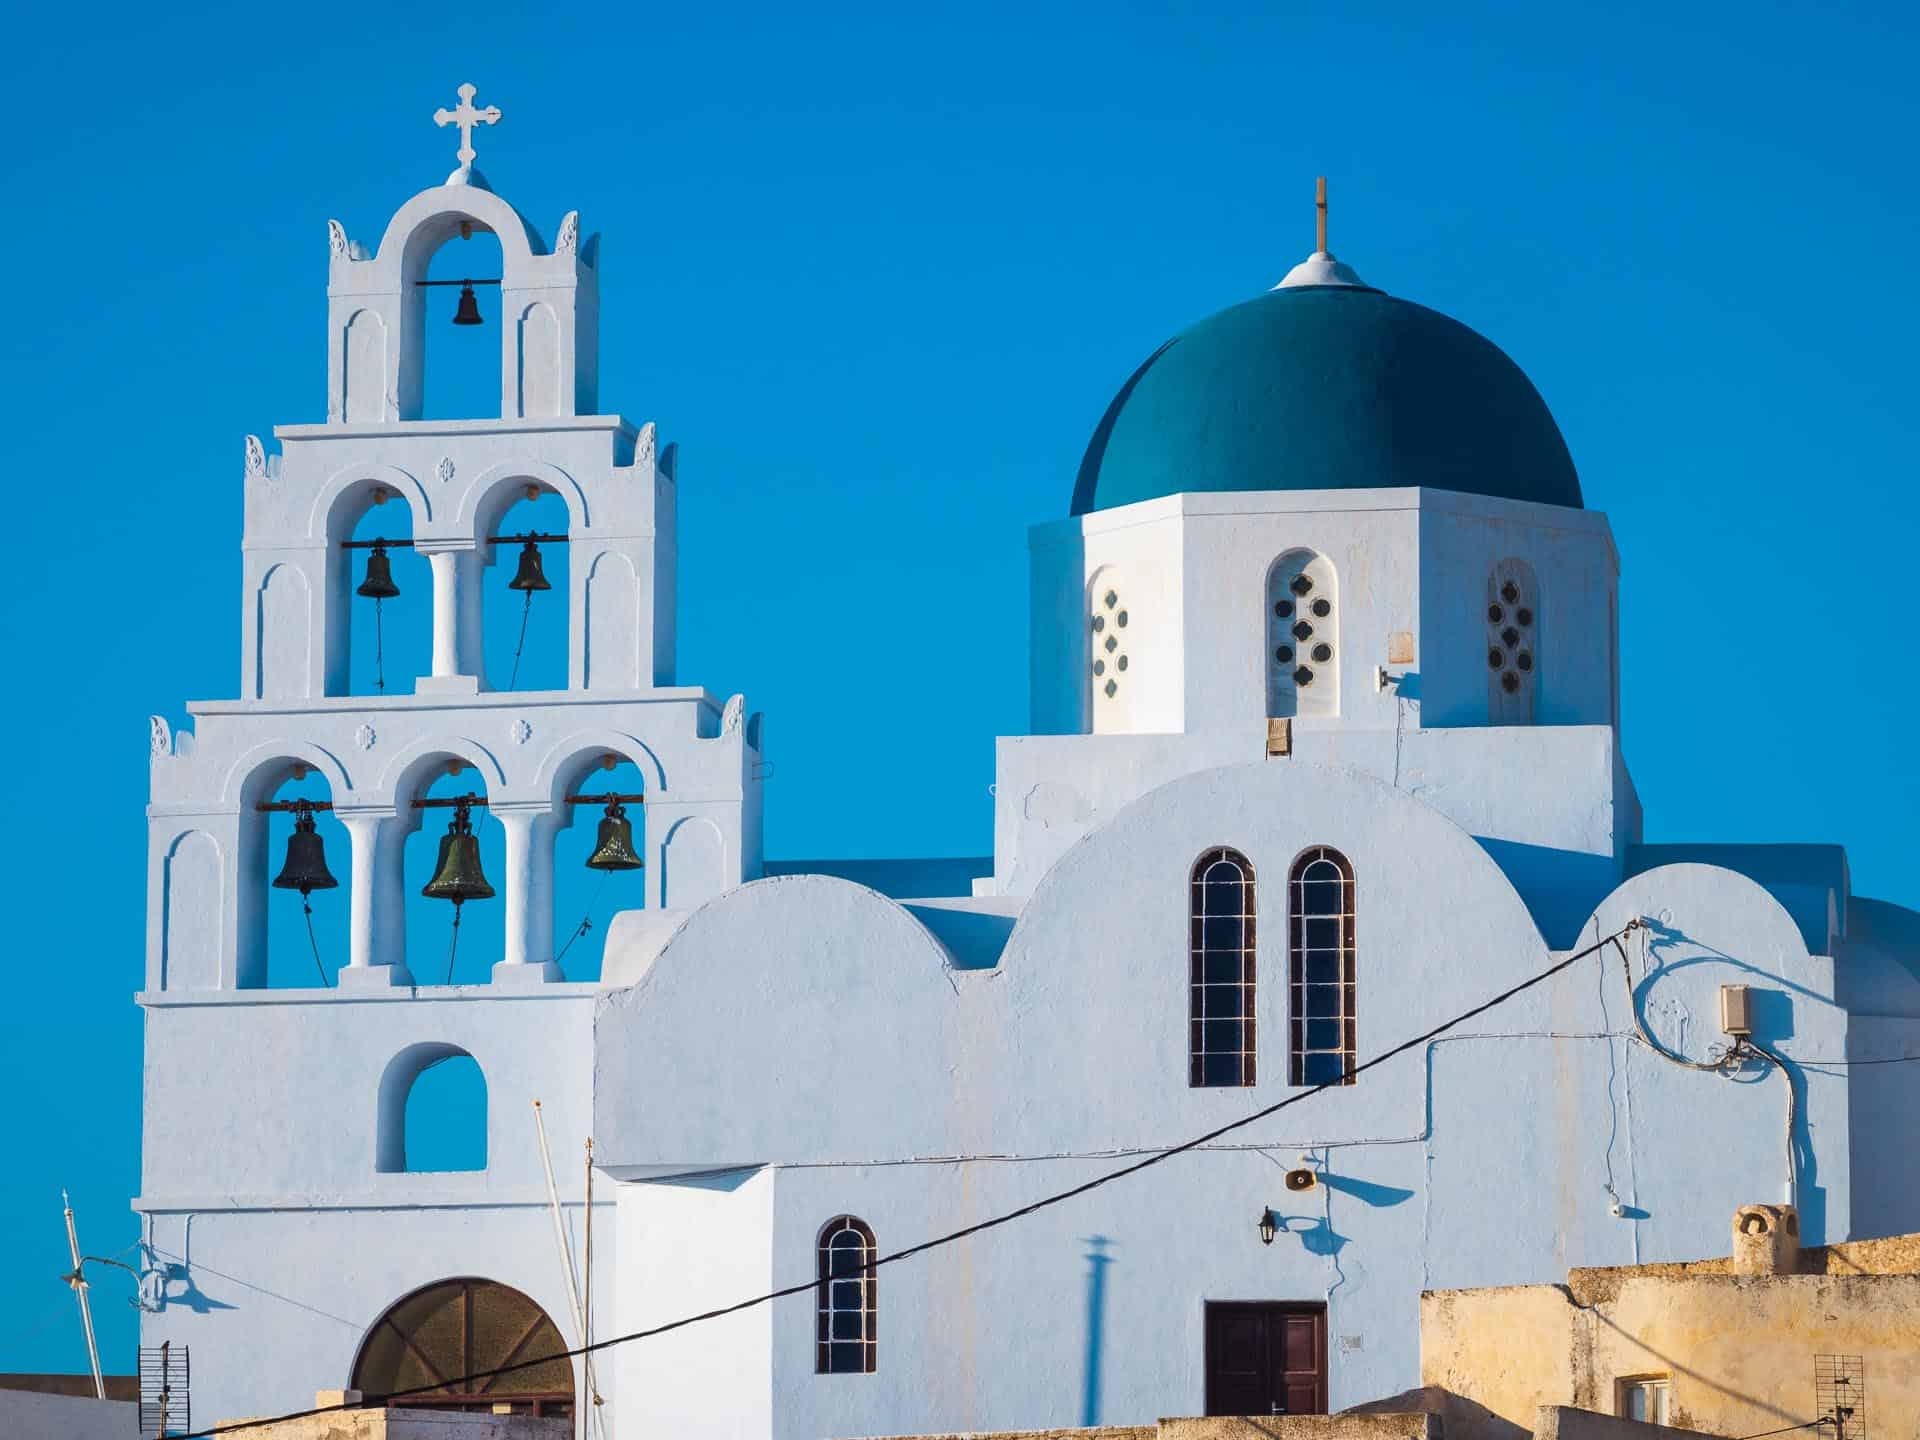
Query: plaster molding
pixel 568 241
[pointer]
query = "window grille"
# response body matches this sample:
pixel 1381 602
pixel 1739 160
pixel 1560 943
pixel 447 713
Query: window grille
pixel 1513 643
pixel 1220 1014
pixel 1320 950
pixel 846 1304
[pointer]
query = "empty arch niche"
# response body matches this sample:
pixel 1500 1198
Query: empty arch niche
pixel 1303 636
pixel 365 343
pixel 190 938
pixel 284 636
pixel 463 1327
pixel 613 629
pixel 539 346
pixel 432 1111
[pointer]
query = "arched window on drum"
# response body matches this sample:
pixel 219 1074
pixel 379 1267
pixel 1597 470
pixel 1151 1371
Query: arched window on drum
pixel 846 1306
pixel 1320 967
pixel 1513 643
pixel 1220 985
pixel 1303 636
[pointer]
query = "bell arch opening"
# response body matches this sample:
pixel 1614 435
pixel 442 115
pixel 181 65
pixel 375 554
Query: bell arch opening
pixel 456 324
pixel 525 594
pixel 452 862
pixel 379 597
pixel 599 852
pixel 295 880
pixel 442 1332
pixel 432 1114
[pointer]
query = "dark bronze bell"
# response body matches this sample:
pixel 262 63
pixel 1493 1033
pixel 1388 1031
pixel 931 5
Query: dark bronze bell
pixel 456 874
pixel 468 310
pixel 379 582
pixel 306 867
pixel 529 576
pixel 615 850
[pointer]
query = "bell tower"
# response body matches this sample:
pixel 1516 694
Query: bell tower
pixel 452 481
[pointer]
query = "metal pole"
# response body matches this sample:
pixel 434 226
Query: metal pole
pixel 1320 214
pixel 79 1283
pixel 586 1284
pixel 566 1256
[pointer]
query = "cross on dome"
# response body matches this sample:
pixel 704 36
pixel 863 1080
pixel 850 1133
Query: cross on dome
pixel 1320 268
pixel 466 116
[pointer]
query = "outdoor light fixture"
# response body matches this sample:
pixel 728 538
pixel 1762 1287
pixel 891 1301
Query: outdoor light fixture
pixel 1269 1225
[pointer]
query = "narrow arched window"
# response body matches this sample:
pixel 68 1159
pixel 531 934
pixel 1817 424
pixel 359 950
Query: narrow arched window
pixel 1513 643
pixel 1320 951
pixel 846 1299
pixel 1221 971
pixel 1303 636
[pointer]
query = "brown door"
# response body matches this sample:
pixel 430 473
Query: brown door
pixel 1266 1358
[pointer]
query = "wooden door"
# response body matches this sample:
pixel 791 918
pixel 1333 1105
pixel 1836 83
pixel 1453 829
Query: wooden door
pixel 1266 1358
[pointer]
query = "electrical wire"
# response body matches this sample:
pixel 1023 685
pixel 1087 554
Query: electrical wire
pixel 1789 1429
pixel 965 1232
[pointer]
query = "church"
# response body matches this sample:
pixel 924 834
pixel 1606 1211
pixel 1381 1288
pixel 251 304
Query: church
pixel 1324 754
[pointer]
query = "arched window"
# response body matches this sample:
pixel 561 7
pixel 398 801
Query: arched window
pixel 1320 967
pixel 846 1306
pixel 1221 971
pixel 456 1328
pixel 1513 643
pixel 431 1111
pixel 1303 636
pixel 1109 658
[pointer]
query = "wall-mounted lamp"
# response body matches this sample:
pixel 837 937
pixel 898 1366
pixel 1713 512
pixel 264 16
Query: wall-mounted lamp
pixel 1269 1225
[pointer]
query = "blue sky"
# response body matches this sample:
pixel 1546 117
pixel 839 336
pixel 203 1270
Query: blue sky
pixel 878 270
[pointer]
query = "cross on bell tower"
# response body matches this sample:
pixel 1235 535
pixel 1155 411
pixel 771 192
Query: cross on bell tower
pixel 466 116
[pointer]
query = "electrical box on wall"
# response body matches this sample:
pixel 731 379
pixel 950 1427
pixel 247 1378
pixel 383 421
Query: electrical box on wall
pixel 1736 1010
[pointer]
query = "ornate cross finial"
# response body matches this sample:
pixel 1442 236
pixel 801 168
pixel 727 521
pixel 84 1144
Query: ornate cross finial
pixel 1320 215
pixel 466 117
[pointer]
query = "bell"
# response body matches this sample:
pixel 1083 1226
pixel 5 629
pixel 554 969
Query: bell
pixel 456 874
pixel 306 867
pixel 615 850
pixel 468 310
pixel 379 582
pixel 530 576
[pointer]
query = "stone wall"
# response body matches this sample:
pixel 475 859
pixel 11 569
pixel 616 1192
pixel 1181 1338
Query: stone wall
pixel 1564 1422
pixel 1397 1426
pixel 1738 1350
pixel 380 1424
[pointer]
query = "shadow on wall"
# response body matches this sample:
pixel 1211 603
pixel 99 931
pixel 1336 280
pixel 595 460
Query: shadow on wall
pixel 1669 950
pixel 1561 888
pixel 1097 1262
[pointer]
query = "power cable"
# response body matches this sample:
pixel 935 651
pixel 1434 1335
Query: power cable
pixel 1789 1429
pixel 993 1223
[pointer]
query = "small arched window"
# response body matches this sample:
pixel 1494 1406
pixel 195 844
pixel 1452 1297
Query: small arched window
pixel 1513 643
pixel 846 1303
pixel 1303 636
pixel 1320 964
pixel 1221 971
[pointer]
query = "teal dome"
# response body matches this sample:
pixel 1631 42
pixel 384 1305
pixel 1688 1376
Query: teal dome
pixel 1326 387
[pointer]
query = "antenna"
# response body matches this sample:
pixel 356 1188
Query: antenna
pixel 78 1282
pixel 1840 1395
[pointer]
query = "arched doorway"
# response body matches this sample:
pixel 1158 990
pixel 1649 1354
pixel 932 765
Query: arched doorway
pixel 461 1327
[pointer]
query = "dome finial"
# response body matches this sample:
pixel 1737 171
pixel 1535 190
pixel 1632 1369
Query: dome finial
pixel 1320 268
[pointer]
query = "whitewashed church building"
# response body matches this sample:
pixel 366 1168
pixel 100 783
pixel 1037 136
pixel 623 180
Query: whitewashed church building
pixel 1325 750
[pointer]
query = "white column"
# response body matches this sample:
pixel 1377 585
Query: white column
pixel 376 942
pixel 526 954
pixel 456 619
